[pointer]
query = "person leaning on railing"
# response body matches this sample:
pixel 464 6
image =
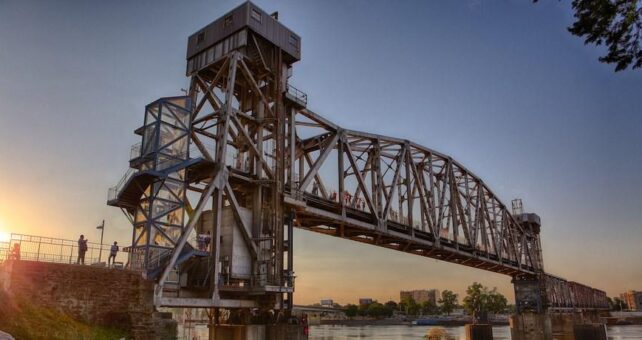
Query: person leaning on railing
pixel 15 252
pixel 82 249
pixel 113 251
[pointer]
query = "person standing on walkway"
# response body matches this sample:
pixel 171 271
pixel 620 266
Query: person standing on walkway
pixel 112 254
pixel 82 249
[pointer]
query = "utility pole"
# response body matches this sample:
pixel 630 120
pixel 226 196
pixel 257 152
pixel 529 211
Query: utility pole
pixel 102 232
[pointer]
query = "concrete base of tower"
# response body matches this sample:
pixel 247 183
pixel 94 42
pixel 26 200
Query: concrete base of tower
pixel 531 326
pixel 479 332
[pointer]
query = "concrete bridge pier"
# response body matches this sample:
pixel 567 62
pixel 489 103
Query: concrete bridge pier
pixel 558 326
pixel 531 326
pixel 479 332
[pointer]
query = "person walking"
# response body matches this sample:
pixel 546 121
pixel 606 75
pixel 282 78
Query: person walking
pixel 112 254
pixel 82 249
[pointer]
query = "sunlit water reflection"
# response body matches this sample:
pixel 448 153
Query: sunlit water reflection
pixel 332 332
pixel 335 332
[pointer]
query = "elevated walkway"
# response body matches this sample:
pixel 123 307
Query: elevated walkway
pixel 127 193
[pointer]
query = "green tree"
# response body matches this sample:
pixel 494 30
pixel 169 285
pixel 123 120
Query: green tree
pixel 495 302
pixel 475 299
pixel 448 301
pixel 429 308
pixel 351 310
pixel 615 23
pixel 392 305
pixel 409 306
pixel 376 310
pixel 480 299
pixel 388 310
pixel 363 310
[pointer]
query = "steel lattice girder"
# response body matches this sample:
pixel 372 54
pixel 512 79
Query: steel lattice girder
pixel 454 215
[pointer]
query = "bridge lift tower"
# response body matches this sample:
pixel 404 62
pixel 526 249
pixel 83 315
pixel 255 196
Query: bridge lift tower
pixel 215 157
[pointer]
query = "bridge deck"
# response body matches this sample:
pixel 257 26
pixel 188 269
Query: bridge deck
pixel 325 216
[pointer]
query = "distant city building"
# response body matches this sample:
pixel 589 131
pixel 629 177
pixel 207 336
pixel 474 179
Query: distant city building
pixel 327 303
pixel 420 295
pixel 633 300
pixel 365 301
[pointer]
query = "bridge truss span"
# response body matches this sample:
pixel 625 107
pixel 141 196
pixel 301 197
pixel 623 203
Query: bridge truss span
pixel 398 194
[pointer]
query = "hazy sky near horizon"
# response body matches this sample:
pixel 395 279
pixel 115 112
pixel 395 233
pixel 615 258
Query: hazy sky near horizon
pixel 501 86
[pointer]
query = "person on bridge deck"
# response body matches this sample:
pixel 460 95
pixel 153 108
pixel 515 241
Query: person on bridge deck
pixel 113 251
pixel 82 249
pixel 203 240
pixel 315 188
pixel 347 198
pixel 207 240
pixel 239 161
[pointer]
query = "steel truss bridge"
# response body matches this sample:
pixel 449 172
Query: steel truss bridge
pixel 242 158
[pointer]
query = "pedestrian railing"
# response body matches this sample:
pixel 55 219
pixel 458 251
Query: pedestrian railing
pixel 297 95
pixel 4 251
pixel 56 250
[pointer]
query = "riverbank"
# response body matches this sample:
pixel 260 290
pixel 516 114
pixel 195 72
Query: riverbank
pixel 622 320
pixel 25 319
pixel 325 332
pixel 367 322
pixel 402 322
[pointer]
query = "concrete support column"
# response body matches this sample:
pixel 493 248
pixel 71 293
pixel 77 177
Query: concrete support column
pixel 479 332
pixel 593 331
pixel 562 325
pixel 530 326
pixel 566 326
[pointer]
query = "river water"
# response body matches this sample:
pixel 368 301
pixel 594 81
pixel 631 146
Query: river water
pixel 335 332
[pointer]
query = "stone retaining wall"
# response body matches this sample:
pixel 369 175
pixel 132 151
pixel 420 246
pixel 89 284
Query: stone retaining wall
pixel 95 295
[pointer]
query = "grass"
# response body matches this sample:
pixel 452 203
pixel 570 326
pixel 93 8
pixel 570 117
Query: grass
pixel 26 320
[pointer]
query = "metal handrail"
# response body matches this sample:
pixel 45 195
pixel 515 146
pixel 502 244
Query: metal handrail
pixel 113 191
pixel 135 150
pixel 4 251
pixel 299 95
pixel 49 249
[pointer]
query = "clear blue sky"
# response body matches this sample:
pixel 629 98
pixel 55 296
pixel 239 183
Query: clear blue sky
pixel 499 85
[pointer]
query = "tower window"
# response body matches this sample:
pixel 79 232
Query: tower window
pixel 200 38
pixel 293 40
pixel 228 21
pixel 256 15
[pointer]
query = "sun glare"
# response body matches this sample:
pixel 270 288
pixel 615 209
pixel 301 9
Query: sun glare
pixel 4 236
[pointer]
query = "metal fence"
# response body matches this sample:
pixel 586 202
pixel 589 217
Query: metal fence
pixel 48 249
pixel 4 251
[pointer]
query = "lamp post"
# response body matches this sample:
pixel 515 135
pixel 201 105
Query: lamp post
pixel 102 231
